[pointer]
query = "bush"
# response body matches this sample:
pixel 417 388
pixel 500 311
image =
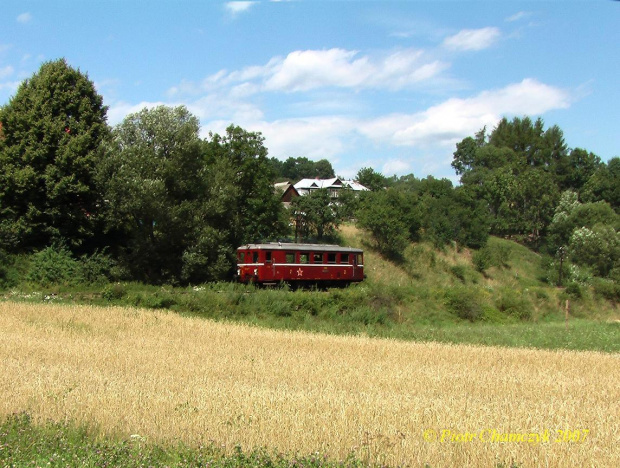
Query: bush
pixel 482 259
pixel 573 290
pixel 54 266
pixel 114 292
pixel 465 303
pixel 459 271
pixel 607 289
pixel 97 268
pixel 514 304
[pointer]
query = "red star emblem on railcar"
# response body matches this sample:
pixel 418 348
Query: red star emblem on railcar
pixel 300 272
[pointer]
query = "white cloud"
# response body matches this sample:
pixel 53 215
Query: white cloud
pixel 395 166
pixel 235 8
pixel 472 39
pixel 452 120
pixel 306 70
pixel 7 71
pixel 24 18
pixel 518 16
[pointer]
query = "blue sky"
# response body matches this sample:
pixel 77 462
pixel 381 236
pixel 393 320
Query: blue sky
pixel 388 85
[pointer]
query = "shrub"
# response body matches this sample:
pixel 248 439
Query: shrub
pixel 482 259
pixel 514 304
pixel 54 266
pixel 114 292
pixel 97 268
pixel 574 290
pixel 607 289
pixel 459 271
pixel 465 303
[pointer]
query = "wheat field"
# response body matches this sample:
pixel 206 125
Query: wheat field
pixel 169 378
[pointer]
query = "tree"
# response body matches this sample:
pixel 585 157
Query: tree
pixel 295 169
pixel 604 184
pixel 315 214
pixel 258 213
pixel 52 130
pixel 381 213
pixel 154 180
pixel 371 179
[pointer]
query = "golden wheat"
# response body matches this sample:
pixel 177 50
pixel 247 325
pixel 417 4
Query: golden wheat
pixel 170 378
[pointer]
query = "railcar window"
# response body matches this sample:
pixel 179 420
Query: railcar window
pixel 344 258
pixel 331 258
pixel 255 257
pixel 267 257
pixel 360 260
pixel 304 257
pixel 241 257
pixel 317 258
pixel 290 257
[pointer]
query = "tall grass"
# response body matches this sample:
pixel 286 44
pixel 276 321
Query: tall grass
pixel 170 379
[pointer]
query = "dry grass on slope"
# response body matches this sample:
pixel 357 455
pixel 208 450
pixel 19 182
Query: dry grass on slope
pixel 170 378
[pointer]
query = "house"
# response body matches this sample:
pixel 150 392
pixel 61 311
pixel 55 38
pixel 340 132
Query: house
pixel 288 192
pixel 335 185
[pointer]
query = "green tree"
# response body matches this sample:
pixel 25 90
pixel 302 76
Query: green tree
pixel 316 215
pixel 52 130
pixel 154 180
pixel 258 213
pixel 604 184
pixel 371 179
pixel 390 218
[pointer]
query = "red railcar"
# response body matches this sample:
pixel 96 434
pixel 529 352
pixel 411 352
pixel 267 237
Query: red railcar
pixel 299 264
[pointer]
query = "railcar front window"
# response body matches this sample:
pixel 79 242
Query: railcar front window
pixel 267 257
pixel 255 257
pixel 241 257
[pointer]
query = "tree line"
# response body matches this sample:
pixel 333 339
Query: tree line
pixel 151 200
pixel 162 204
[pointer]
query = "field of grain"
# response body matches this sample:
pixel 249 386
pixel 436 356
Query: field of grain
pixel 170 378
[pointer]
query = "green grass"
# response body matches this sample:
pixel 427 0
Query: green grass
pixel 24 444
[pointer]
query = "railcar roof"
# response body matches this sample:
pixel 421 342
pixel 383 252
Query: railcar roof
pixel 293 246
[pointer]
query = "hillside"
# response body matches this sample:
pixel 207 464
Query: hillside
pixel 431 295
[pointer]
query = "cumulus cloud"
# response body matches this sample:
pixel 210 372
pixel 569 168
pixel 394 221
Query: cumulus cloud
pixel 306 70
pixel 450 121
pixel 24 18
pixel 236 8
pixel 472 39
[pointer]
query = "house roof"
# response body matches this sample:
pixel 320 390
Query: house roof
pixel 336 182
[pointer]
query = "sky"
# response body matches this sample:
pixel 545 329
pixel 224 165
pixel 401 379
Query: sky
pixel 391 85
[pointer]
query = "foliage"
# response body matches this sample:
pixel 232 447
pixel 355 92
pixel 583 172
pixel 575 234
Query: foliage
pixel 295 169
pixel 598 248
pixel 465 303
pixel 253 209
pixel 388 217
pixel 315 215
pixel 153 180
pixel 54 266
pixel 25 443
pixel 371 179
pixel 52 130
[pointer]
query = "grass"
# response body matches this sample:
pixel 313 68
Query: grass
pixel 173 382
pixel 23 443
